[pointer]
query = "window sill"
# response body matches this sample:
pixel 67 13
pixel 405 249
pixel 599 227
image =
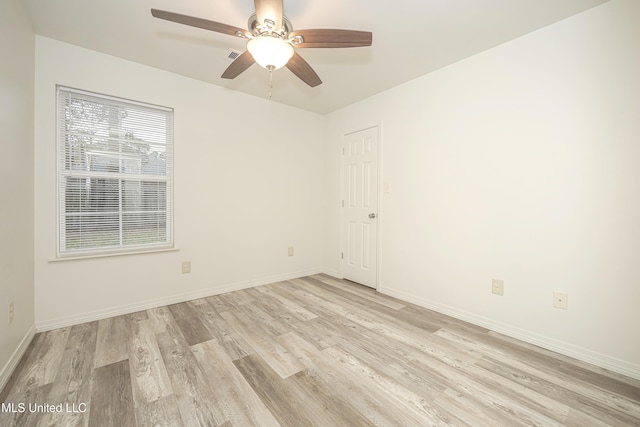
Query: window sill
pixel 111 254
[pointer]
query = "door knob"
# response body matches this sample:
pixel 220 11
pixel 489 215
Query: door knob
pixel 372 215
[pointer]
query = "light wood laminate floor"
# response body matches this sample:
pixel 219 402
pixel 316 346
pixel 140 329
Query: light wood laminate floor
pixel 314 351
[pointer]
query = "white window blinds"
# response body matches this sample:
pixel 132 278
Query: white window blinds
pixel 115 163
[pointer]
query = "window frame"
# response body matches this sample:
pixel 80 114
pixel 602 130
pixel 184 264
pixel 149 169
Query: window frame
pixel 121 176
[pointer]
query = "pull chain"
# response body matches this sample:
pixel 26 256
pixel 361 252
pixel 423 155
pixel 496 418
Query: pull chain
pixel 270 68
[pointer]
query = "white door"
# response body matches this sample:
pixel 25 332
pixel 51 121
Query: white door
pixel 359 257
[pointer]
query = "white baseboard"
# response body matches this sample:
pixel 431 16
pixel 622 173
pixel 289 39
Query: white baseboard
pixel 601 360
pixel 63 322
pixel 11 364
pixel 333 273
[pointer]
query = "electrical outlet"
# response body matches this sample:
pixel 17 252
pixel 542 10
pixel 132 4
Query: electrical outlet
pixel 11 312
pixel 290 251
pixel 497 286
pixel 186 267
pixel 561 300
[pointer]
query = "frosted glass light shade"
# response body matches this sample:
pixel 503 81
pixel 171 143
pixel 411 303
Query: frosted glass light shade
pixel 270 51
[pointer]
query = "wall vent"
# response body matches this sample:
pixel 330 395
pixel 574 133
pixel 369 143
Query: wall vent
pixel 233 54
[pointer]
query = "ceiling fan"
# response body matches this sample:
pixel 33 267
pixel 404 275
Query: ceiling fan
pixel 272 40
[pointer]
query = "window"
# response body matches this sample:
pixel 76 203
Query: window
pixel 115 163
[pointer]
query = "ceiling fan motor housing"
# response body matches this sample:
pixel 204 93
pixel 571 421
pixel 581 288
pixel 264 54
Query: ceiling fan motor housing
pixel 257 29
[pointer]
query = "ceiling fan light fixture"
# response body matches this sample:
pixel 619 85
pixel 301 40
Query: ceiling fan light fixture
pixel 270 52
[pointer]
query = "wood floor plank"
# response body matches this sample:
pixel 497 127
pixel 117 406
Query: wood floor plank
pixel 439 320
pixel 18 372
pixel 409 335
pixel 353 334
pixel 150 379
pixel 233 395
pixel 284 317
pixel 365 307
pixel 581 419
pixel 163 412
pixel 389 362
pixel 489 397
pixel 288 406
pixel 14 416
pixel 112 341
pixel 42 364
pixel 189 323
pixel 595 404
pixel 263 343
pixel 536 371
pixel 576 369
pixel 271 324
pixel 317 384
pixel 314 332
pixel 72 385
pixel 358 291
pixel 161 320
pixel 112 397
pixel 473 412
pixel 232 342
pixel 235 346
pixel 237 298
pixel 408 398
pixel 377 407
pixel 294 309
pixel 219 304
pixel 520 394
pixel 190 387
pixel 527 393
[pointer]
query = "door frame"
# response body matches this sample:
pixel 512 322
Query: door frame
pixel 379 209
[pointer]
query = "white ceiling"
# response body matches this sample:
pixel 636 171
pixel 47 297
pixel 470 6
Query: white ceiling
pixel 410 38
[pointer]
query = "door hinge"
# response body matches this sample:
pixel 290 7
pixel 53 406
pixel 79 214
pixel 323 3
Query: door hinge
pixel 343 151
pixel 343 203
pixel 341 255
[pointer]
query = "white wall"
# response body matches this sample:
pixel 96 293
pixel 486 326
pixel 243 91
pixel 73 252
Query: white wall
pixel 17 50
pixel 520 163
pixel 248 184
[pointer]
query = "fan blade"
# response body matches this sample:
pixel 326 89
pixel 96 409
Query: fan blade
pixel 271 10
pixel 238 66
pixel 332 38
pixel 303 70
pixel 199 23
